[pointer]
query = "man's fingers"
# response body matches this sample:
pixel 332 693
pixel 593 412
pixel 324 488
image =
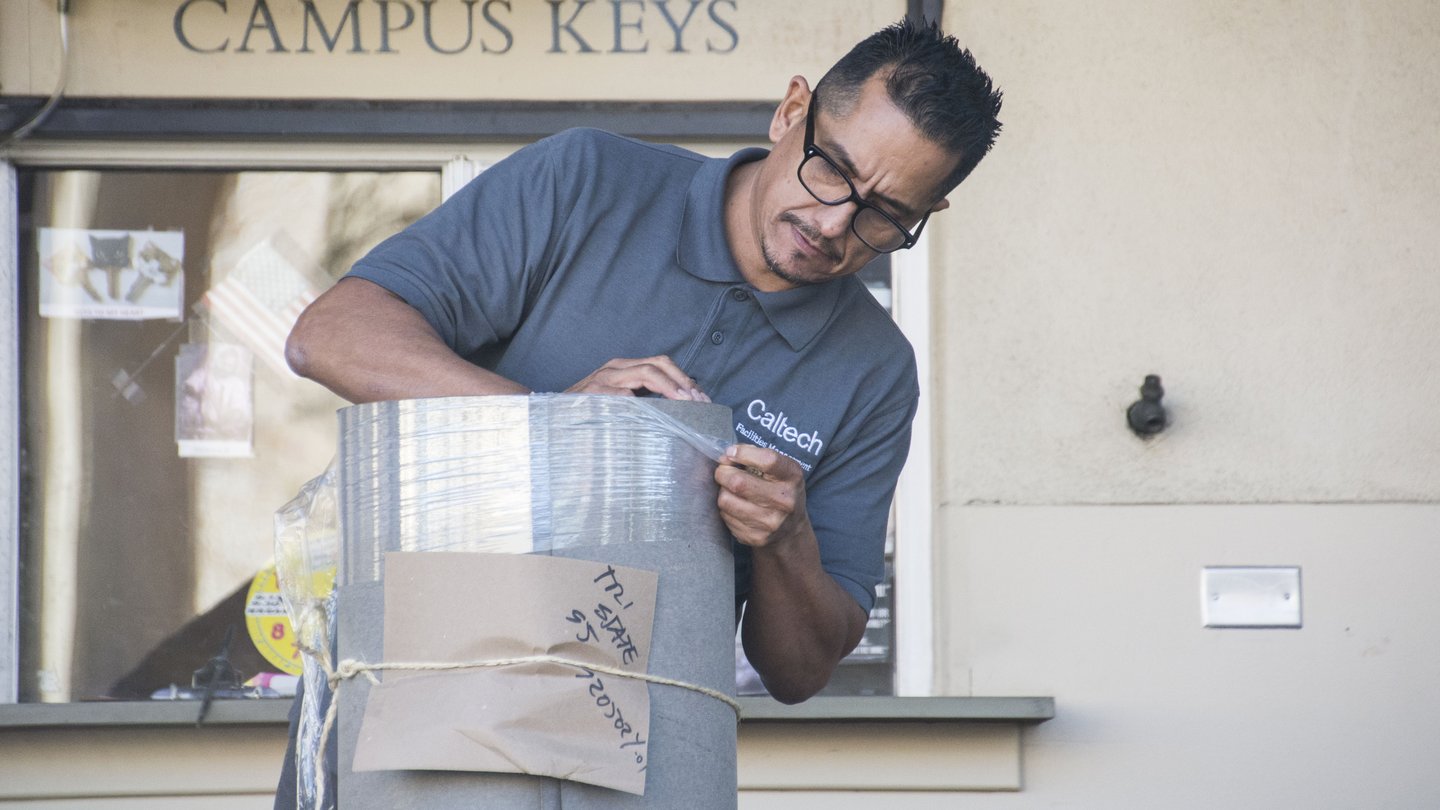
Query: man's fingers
pixel 607 390
pixel 764 461
pixel 759 491
pixel 657 360
pixel 649 377
pixel 683 382
pixel 659 375
pixel 760 511
pixel 750 523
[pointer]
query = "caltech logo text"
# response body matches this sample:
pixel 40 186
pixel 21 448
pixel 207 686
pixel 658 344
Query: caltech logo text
pixel 779 424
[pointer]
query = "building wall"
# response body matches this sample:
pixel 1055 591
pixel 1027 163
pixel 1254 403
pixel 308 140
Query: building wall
pixel 1240 198
pixel 1100 607
pixel 909 766
pixel 627 50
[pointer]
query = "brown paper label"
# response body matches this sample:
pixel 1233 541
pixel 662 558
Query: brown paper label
pixel 536 718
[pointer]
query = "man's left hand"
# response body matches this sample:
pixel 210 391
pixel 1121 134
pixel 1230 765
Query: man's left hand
pixel 799 622
pixel 762 496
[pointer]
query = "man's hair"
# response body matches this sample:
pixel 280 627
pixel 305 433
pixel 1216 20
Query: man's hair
pixel 931 79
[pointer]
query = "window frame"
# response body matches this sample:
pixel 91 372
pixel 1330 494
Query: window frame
pixel 9 434
pixel 457 163
pixel 913 602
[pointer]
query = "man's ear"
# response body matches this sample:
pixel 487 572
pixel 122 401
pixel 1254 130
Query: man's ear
pixel 791 111
pixel 940 206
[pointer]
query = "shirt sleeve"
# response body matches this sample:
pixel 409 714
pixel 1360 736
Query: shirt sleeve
pixel 849 498
pixel 475 265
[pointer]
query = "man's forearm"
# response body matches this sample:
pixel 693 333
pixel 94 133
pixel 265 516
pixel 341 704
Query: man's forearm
pixel 367 345
pixel 798 621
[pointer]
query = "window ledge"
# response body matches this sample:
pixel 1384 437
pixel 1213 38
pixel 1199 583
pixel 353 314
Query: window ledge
pixel 144 713
pixel 885 744
pixel 753 710
pixel 901 709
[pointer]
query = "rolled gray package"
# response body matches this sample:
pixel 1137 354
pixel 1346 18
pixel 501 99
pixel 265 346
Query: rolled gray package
pixel 584 477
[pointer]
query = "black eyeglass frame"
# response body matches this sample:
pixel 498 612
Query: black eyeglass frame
pixel 811 152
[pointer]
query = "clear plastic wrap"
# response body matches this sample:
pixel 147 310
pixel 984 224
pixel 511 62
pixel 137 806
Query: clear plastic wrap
pixel 519 475
pixel 546 474
pixel 307 549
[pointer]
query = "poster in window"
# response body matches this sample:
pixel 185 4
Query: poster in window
pixel 111 275
pixel 258 301
pixel 214 401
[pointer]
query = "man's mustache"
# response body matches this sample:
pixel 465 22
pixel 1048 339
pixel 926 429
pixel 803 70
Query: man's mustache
pixel 811 233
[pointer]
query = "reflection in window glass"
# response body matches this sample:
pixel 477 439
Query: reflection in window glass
pixel 160 427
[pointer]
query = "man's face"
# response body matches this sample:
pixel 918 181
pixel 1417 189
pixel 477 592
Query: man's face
pixel 891 165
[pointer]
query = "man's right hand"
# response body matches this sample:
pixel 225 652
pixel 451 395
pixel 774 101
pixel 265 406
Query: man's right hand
pixel 626 377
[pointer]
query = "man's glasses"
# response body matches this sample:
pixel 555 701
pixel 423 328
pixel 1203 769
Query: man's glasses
pixel 828 184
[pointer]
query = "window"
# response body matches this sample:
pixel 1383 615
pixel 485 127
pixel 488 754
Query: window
pixel 143 517
pixel 159 425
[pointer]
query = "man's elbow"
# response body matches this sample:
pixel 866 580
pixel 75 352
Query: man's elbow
pixel 297 355
pixel 801 669
pixel 796 689
pixel 796 681
pixel 302 348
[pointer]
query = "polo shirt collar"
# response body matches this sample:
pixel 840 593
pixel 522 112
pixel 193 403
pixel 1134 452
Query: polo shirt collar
pixel 798 314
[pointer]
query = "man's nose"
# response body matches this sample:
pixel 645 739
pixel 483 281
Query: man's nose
pixel 834 220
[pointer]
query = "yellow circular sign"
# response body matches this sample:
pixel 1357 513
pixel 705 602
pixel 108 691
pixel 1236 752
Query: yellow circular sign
pixel 269 624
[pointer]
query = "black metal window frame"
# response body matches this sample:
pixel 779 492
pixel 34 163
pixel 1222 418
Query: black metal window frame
pixel 338 120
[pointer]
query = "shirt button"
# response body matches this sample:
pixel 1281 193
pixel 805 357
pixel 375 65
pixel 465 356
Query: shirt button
pixel 717 337
pixel 740 295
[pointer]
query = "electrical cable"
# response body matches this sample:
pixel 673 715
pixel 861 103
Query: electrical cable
pixel 40 115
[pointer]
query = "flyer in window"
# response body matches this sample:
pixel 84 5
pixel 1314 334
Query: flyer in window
pixel 214 401
pixel 258 300
pixel 111 275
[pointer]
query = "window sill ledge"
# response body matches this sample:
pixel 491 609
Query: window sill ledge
pixel 901 709
pixel 753 710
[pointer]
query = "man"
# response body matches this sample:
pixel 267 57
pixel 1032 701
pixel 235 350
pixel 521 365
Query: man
pixel 588 263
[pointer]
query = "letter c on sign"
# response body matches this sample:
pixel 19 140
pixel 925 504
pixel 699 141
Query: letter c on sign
pixel 180 26
pixel 750 411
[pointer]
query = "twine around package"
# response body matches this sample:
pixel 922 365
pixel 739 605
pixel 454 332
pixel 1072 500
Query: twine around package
pixel 621 483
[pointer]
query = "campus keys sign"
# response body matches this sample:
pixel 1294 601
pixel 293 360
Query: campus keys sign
pixel 450 28
pixel 581 50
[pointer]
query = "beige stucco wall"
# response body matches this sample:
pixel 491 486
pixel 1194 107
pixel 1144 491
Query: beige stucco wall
pixel 1237 196
pixel 908 766
pixel 1101 608
pixel 1241 198
pixel 516 49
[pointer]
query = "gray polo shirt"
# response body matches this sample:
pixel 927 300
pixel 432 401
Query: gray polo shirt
pixel 587 246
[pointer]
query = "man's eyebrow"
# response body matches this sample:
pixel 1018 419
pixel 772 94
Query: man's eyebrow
pixel 900 210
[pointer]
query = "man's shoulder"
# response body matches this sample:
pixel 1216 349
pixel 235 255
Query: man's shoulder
pixel 861 350
pixel 863 326
pixel 588 143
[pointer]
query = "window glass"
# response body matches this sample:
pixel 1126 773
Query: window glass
pixel 160 427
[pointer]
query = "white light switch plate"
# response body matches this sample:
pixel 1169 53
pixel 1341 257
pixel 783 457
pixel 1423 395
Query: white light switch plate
pixel 1260 596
